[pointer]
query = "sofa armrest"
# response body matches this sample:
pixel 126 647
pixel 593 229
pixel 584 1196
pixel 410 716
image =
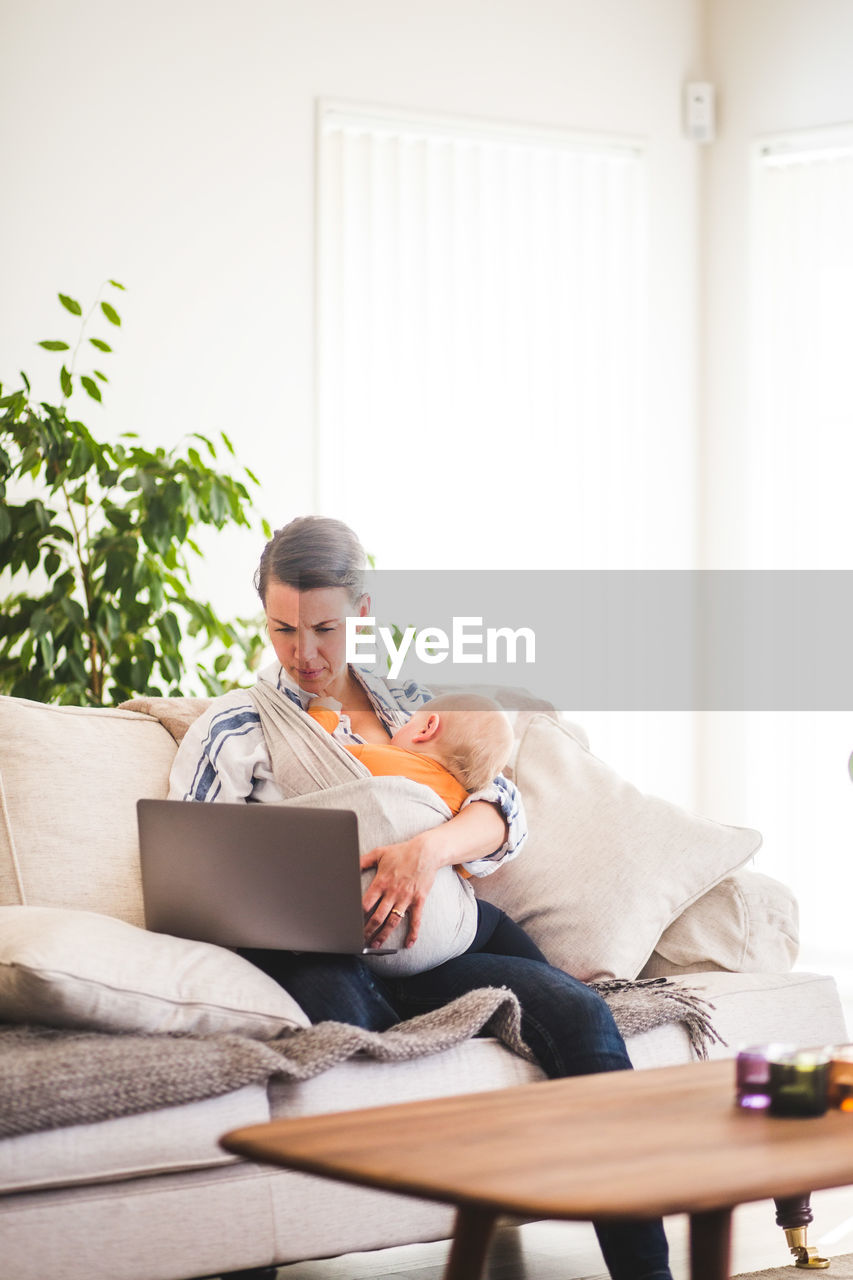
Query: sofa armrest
pixel 748 923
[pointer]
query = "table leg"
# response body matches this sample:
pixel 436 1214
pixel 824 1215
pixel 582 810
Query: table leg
pixel 710 1244
pixel 470 1243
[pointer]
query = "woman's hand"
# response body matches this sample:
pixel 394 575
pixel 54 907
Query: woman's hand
pixel 405 873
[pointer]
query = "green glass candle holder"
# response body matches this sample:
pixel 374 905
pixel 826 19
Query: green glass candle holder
pixel 798 1082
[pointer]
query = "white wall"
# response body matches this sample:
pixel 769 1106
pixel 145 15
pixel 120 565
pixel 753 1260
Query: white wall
pixel 170 145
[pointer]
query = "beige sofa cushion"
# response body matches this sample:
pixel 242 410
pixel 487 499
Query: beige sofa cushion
pixel 606 868
pixel 69 781
pixel 748 923
pixel 79 969
pixel 170 1140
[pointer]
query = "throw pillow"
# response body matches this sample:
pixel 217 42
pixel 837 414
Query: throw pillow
pixel 605 868
pixel 64 968
pixel 69 781
pixel 175 714
pixel 748 923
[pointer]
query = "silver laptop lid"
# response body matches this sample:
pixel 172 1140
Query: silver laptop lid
pixel 252 875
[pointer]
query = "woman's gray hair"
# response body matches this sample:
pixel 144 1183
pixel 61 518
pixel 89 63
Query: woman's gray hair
pixel 311 552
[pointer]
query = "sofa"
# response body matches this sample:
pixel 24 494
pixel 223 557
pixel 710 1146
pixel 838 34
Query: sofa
pixel 613 885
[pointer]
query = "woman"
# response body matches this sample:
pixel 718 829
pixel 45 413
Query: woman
pixel 310 579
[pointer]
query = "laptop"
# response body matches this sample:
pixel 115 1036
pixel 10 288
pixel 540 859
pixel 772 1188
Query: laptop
pixel 253 875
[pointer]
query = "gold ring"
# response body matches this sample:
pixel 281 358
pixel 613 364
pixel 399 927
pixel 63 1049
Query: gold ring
pixel 395 912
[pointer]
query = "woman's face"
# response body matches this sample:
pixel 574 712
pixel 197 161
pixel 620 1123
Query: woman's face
pixel 308 633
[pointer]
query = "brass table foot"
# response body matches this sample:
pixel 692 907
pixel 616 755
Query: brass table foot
pixel 806 1257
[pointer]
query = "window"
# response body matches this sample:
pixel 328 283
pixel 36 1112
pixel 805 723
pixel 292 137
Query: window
pixel 481 329
pixel 801 411
pixel 800 459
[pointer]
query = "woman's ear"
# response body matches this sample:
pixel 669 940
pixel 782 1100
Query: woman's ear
pixel 364 606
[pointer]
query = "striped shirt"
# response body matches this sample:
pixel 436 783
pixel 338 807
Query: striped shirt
pixel 224 755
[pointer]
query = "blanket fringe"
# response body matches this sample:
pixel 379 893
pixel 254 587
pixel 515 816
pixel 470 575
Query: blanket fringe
pixel 662 1001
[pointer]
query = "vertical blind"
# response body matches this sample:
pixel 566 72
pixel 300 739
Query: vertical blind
pixel 801 403
pixel 800 460
pixel 481 328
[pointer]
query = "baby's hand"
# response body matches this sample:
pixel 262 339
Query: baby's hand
pixel 331 703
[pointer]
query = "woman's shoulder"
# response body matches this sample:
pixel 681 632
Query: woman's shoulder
pixel 221 751
pixel 228 703
pixel 230 713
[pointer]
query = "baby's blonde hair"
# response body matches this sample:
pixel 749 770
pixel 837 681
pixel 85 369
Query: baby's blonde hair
pixel 475 739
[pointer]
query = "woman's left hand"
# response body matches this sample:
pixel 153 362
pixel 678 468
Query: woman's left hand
pixel 405 873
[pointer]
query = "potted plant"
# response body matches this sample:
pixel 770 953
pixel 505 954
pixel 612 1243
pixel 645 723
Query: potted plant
pixel 96 541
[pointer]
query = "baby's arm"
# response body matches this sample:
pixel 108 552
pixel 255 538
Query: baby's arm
pixel 326 711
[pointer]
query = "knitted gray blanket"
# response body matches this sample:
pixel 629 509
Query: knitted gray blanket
pixel 51 1078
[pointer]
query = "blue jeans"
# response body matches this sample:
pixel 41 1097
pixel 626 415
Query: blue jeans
pixel 569 1028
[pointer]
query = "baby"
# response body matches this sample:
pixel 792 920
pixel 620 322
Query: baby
pixel 455 744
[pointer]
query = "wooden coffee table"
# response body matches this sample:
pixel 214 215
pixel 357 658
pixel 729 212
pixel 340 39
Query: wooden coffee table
pixel 632 1144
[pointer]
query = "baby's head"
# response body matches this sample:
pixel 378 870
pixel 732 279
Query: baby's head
pixel 467 733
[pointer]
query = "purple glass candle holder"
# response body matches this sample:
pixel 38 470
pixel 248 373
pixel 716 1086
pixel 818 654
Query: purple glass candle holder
pixel 752 1074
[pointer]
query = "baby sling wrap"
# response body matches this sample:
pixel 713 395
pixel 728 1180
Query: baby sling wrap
pixel 313 769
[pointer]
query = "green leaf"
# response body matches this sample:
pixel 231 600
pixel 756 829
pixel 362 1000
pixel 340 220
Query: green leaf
pixel 115 284
pixel 65 381
pixel 78 464
pixel 25 380
pixel 73 611
pixel 70 304
pixel 46 649
pixel 228 445
pixel 55 345
pixel 78 669
pixel 100 344
pixel 39 622
pixel 92 387
pixel 100 375
pixel 204 439
pixel 111 313
pixel 217 506
pixel 171 667
pixel 169 629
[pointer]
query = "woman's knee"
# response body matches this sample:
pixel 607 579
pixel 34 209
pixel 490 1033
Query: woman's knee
pixel 593 1028
pixel 568 1025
